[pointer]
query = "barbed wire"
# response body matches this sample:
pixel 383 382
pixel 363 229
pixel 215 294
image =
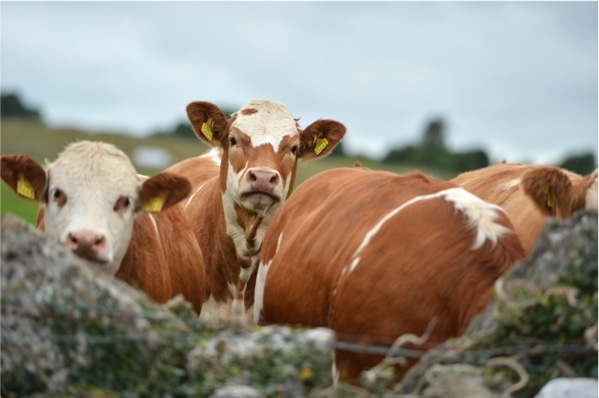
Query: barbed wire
pixel 465 354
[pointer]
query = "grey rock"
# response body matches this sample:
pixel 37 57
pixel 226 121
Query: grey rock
pixel 576 387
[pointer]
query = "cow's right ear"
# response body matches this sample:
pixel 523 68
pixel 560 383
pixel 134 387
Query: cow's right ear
pixel 162 191
pixel 25 176
pixel 208 122
pixel 550 189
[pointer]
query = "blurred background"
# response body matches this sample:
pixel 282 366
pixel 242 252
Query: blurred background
pixel 443 87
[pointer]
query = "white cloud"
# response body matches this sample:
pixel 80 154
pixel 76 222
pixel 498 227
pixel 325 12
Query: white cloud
pixel 519 79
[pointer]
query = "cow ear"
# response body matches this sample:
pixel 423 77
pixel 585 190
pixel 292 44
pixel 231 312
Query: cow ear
pixel 320 138
pixel 208 122
pixel 25 176
pixel 162 191
pixel 550 189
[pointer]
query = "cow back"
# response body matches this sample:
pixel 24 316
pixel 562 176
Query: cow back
pixel 375 255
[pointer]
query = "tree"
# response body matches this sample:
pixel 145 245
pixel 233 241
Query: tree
pixel 434 135
pixel 12 106
pixel 582 164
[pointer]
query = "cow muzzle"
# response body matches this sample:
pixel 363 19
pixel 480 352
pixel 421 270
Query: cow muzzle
pixel 88 245
pixel 261 187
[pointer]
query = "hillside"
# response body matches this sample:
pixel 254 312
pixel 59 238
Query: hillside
pixel 42 143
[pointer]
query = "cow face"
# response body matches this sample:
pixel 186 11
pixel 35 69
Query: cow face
pixel 89 197
pixel 261 143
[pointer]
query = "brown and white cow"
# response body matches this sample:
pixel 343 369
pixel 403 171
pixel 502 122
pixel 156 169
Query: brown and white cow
pixel 531 193
pixel 233 201
pixel 93 201
pixel 375 255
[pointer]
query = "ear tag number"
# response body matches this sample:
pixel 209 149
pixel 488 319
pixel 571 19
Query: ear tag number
pixel 25 189
pixel 154 205
pixel 207 131
pixel 321 144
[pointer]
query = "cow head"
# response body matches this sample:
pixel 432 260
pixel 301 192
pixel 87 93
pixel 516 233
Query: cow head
pixel 261 143
pixel 89 197
pixel 559 193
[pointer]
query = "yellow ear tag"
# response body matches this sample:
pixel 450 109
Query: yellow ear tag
pixel 154 205
pixel 321 144
pixel 25 189
pixel 207 131
pixel 549 195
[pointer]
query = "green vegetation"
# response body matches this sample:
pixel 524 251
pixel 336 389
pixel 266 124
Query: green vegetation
pixel 23 131
pixel 35 139
pixel 433 152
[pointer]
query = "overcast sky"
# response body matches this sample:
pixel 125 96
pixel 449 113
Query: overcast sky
pixel 516 79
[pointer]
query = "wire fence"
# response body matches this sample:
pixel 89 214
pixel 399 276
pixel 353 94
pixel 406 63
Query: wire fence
pixel 347 343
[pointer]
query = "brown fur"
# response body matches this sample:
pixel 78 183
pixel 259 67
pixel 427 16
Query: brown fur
pixel 163 266
pixel 544 191
pixel 15 167
pixel 205 209
pixel 416 268
pixel 166 264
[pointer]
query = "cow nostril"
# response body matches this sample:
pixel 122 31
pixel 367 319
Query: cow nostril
pixel 253 176
pixel 73 239
pixel 274 179
pixel 99 240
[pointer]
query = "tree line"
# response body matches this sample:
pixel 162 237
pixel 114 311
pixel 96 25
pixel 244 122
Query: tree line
pixel 430 152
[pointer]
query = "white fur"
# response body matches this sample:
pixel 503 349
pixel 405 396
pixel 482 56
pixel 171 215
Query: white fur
pixel 263 269
pixel 215 154
pixel 198 189
pixel 506 186
pixel 591 196
pixel 481 215
pixel 269 125
pixel 93 176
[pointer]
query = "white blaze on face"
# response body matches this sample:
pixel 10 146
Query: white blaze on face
pixel 92 190
pixel 265 122
pixel 264 141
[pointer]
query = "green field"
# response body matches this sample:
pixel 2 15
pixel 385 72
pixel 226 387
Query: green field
pixel 40 142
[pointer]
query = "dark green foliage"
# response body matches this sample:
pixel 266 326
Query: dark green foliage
pixel 582 164
pixel 12 106
pixel 432 152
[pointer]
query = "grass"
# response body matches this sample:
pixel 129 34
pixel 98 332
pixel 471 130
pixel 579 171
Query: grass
pixel 43 143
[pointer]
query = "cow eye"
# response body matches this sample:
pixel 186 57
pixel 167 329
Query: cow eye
pixel 59 197
pixel 122 203
pixel 294 149
pixel 233 141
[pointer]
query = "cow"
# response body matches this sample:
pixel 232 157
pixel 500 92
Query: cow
pixel 238 186
pixel 93 201
pixel 531 193
pixel 374 255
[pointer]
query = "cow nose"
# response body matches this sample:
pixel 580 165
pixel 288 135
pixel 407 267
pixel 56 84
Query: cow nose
pixel 262 179
pixel 86 244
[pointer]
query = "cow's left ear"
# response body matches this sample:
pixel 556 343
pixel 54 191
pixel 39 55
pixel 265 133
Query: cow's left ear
pixel 320 138
pixel 162 191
